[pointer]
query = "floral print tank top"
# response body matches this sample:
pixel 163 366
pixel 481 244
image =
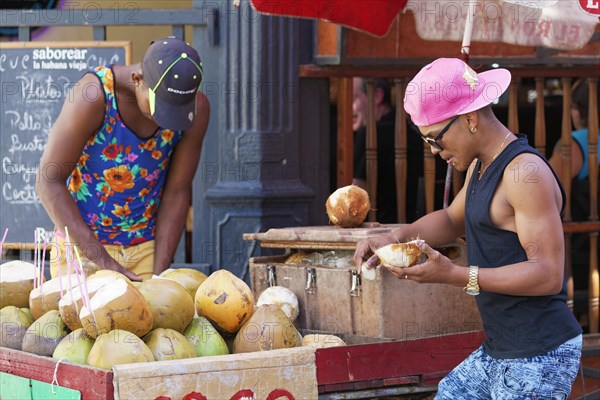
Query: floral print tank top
pixel 118 180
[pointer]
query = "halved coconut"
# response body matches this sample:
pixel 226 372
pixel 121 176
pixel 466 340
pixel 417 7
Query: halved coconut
pixel 282 297
pixel 44 334
pixel 46 297
pixel 75 347
pixel 171 305
pixel 189 278
pixel 322 340
pixel 118 347
pixel 70 305
pixel 348 206
pixel 168 344
pixel 16 282
pixel 225 300
pixel 400 255
pixel 116 305
pixel 14 322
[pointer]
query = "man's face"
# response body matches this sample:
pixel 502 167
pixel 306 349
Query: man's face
pixel 359 105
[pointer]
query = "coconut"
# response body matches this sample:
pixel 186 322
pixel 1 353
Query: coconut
pixel 189 278
pixel 14 322
pixel 205 338
pixel 367 273
pixel 16 282
pixel 168 344
pixel 171 305
pixel 225 300
pixel 107 272
pixel 116 305
pixel 400 255
pixel 70 305
pixel 118 347
pixel 75 347
pixel 268 329
pixel 44 334
pixel 348 206
pixel 45 297
pixel 282 297
pixel 322 340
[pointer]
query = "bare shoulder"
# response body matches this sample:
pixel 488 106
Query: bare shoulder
pixel 529 180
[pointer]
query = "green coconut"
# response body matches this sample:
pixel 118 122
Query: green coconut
pixel 75 347
pixel 14 322
pixel 118 347
pixel 168 344
pixel 205 338
pixel 44 334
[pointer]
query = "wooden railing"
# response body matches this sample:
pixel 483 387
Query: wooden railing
pixel 343 76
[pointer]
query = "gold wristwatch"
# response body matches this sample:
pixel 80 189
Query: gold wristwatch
pixel 472 287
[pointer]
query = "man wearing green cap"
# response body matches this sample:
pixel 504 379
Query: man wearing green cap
pixel 118 167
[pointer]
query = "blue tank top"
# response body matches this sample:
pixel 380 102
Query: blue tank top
pixel 581 138
pixel 515 326
pixel 118 180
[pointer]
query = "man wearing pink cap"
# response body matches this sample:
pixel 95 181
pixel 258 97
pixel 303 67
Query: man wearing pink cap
pixel 118 167
pixel 510 213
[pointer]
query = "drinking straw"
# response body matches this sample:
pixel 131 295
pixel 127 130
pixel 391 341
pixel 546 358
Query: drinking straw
pixel 2 242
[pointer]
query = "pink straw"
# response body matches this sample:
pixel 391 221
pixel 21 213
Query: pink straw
pixel 2 242
pixel 86 299
pixel 43 259
pixel 35 235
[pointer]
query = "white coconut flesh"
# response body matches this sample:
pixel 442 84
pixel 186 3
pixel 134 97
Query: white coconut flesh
pixel 46 297
pixel 400 255
pixel 116 305
pixel 16 282
pixel 72 302
pixel 282 297
pixel 368 273
pixel 104 296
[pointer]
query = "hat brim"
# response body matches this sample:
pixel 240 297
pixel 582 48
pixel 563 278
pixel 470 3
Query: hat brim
pixel 177 117
pixel 495 82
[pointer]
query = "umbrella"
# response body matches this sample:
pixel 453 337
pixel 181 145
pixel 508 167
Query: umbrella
pixel 373 16
pixel 559 24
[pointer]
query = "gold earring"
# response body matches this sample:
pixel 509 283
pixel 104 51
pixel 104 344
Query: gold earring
pixel 473 130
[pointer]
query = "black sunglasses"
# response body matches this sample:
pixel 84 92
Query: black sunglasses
pixel 434 142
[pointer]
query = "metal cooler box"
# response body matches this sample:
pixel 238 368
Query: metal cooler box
pixel 317 266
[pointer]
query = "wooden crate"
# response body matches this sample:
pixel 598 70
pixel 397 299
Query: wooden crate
pixel 261 375
pixel 332 300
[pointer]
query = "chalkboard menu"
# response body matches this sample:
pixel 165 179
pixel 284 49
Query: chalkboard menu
pixel 35 78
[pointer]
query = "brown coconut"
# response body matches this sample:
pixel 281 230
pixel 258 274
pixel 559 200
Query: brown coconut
pixel 70 305
pixel 282 297
pixel 14 322
pixel 44 334
pixel 75 347
pixel 225 300
pixel 348 206
pixel 189 278
pixel 268 329
pixel 171 305
pixel 16 282
pixel 168 344
pixel 46 297
pixel 400 255
pixel 116 305
pixel 322 340
pixel 118 347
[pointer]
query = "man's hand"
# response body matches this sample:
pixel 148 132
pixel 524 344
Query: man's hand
pixel 365 250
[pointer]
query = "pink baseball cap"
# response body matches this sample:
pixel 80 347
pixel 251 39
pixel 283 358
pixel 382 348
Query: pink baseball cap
pixel 448 87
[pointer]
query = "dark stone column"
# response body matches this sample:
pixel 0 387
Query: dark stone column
pixel 249 179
